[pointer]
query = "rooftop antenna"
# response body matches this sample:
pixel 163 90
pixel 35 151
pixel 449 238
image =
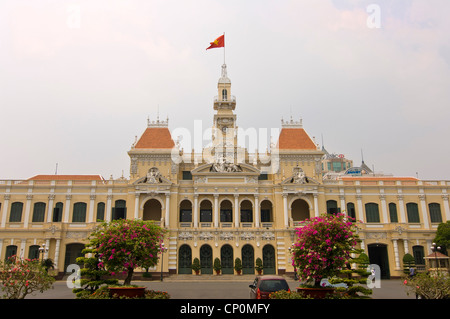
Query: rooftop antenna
pixel 56 170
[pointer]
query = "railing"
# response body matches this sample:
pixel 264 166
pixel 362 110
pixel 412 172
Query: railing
pixel 231 98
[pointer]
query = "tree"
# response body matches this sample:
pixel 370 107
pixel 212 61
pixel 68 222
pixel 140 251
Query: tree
pixel 20 277
pixel 408 262
pixel 238 265
pixel 124 245
pixel 217 265
pixel 259 265
pixel 324 246
pixel 196 265
pixel 443 236
pixel 92 276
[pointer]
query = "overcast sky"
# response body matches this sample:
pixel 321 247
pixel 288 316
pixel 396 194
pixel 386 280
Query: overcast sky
pixel 78 79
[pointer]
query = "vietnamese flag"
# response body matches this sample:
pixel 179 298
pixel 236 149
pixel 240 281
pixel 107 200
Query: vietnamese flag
pixel 218 43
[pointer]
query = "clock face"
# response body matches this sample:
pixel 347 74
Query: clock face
pixel 224 129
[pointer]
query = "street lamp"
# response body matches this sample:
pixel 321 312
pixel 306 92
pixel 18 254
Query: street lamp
pixel 42 250
pixel 162 249
pixel 435 250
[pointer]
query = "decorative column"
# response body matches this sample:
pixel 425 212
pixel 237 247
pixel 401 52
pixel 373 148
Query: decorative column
pixel 47 244
pixel 108 207
pixel 361 214
pixel 446 206
pixel 316 205
pixel 136 205
pixel 384 209
pixel 423 206
pixel 51 198
pixel 285 207
pixel 405 244
pixel 236 210
pixel 396 256
pixel 167 210
pixel 27 210
pixel 216 210
pixel 257 211
pixel 5 210
pixel 91 208
pixel 67 208
pixel 58 244
pixel 195 210
pixel 402 207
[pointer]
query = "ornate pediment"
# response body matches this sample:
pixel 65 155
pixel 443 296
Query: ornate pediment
pixel 226 169
pixel 299 177
pixel 153 177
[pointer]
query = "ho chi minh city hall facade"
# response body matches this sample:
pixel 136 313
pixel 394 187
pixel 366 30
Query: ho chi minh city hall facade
pixel 225 202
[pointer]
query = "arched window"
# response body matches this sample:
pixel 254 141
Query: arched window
pixel 58 212
pixel 435 212
pixel 351 210
pixel 224 95
pixel 79 212
pixel 246 212
pixel 226 212
pixel 205 212
pixel 11 250
pixel 372 213
pixel 101 211
pixel 393 212
pixel 412 210
pixel 16 212
pixel 38 212
pixel 186 211
pixel 33 252
pixel 332 207
pixel 119 210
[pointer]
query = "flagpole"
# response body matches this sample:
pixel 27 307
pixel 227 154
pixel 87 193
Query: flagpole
pixel 224 48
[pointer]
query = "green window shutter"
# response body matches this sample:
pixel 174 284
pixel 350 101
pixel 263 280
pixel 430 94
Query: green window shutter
pixel 16 212
pixel 372 213
pixel 393 212
pixel 57 212
pixel 412 210
pixel 435 212
pixel 38 213
pixel 79 212
pixel 101 211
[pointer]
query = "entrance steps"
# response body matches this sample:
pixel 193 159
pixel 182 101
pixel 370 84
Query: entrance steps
pixel 213 278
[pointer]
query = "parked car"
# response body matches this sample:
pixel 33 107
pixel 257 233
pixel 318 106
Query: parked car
pixel 264 285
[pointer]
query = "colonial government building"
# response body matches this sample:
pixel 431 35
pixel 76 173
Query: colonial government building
pixel 225 202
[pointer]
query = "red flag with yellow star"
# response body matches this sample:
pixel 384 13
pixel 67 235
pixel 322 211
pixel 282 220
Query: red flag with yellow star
pixel 218 43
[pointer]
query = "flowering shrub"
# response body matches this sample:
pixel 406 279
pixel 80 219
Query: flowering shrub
pixel 20 277
pixel 428 286
pixel 123 245
pixel 323 247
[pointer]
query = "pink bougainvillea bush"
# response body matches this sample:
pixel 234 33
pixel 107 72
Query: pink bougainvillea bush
pixel 323 247
pixel 123 245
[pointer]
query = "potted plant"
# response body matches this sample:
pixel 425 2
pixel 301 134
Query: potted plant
pixel 323 248
pixel 217 266
pixel 196 266
pixel 238 265
pixel 259 266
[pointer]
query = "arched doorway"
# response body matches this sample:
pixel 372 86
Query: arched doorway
pixel 73 251
pixel 248 260
pixel 299 210
pixel 152 210
pixel 378 255
pixel 226 259
pixel 206 259
pixel 184 260
pixel 269 260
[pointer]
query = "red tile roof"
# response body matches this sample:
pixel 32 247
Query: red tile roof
pixel 155 137
pixel 66 178
pixel 295 139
